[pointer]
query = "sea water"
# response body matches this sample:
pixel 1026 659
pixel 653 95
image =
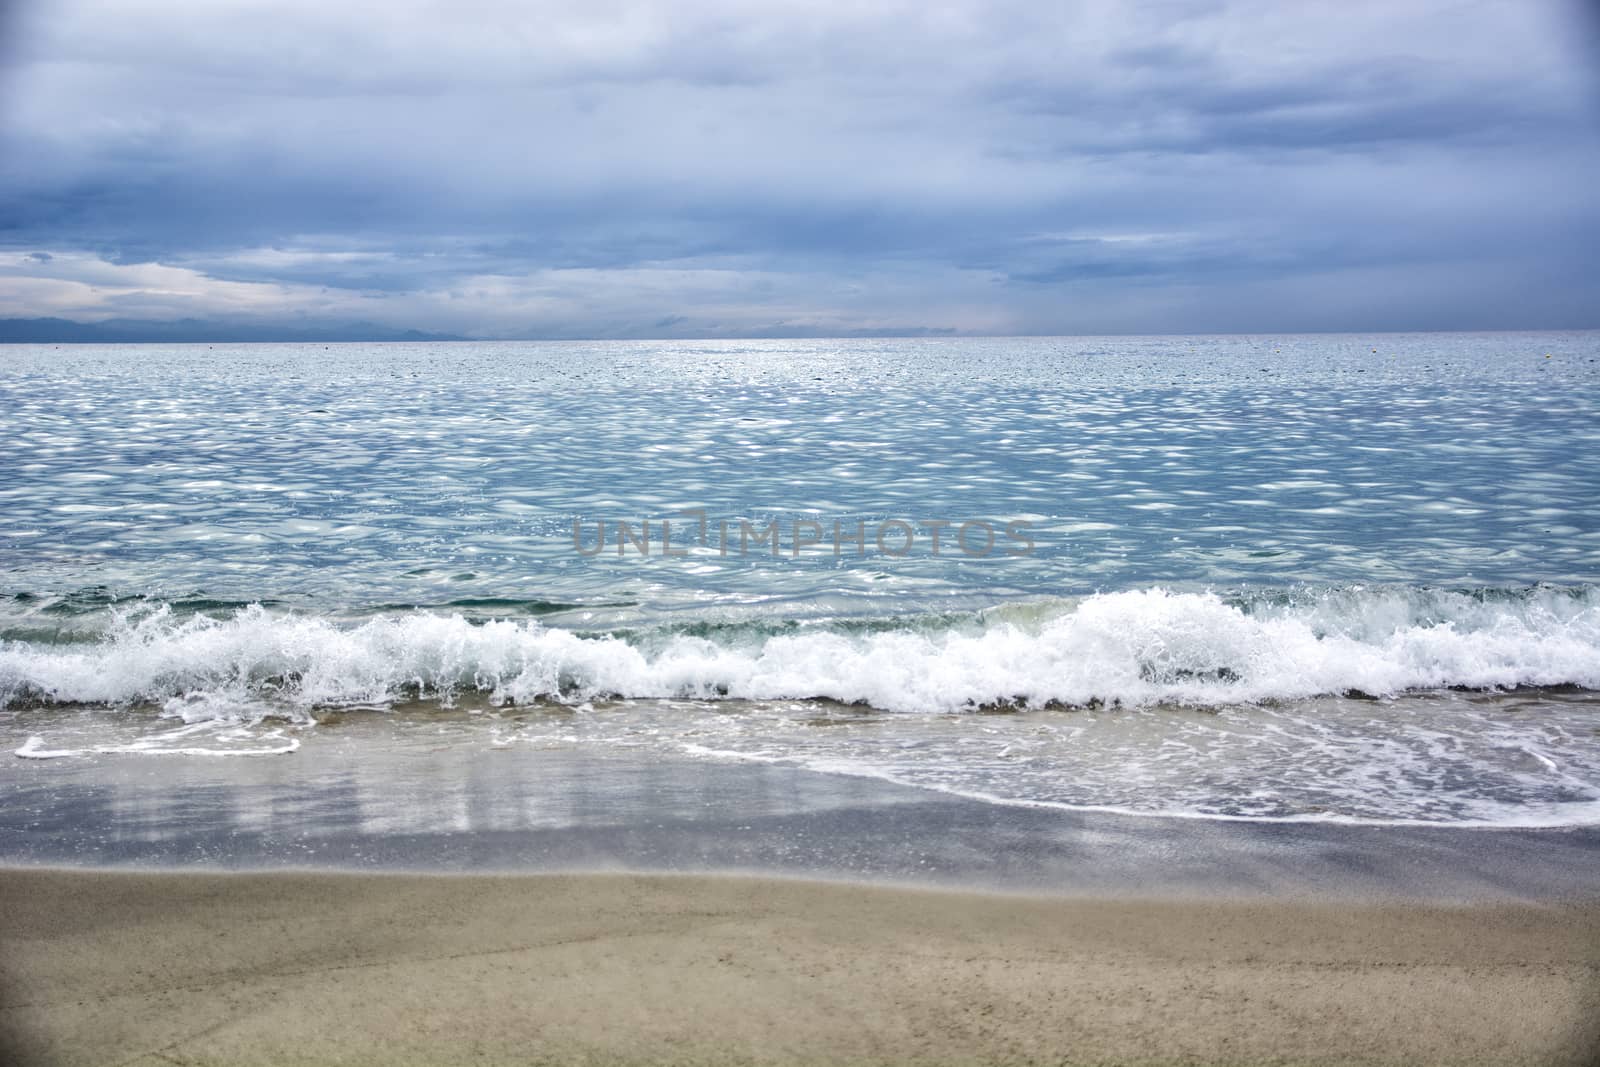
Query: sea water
pixel 1350 578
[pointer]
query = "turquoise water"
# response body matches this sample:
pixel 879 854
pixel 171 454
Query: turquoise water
pixel 1263 577
pixel 361 475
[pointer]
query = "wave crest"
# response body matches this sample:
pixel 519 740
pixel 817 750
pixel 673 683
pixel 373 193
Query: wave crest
pixel 1131 648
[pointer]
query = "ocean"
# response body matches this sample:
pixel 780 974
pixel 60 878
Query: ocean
pixel 1319 578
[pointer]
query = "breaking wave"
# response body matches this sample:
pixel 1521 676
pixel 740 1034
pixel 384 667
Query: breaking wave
pixel 1129 649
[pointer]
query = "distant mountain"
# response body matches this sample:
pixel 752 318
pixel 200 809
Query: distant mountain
pixel 134 331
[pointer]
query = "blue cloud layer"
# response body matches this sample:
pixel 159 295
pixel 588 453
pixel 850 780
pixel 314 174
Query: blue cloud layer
pixel 724 168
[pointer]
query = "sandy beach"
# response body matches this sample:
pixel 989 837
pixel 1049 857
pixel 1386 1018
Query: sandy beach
pixel 145 968
pixel 587 906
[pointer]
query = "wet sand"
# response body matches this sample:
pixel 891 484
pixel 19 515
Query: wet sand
pixel 459 916
pixel 131 968
pixel 382 794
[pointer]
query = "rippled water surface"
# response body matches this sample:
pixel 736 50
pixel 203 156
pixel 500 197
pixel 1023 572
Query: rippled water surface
pixel 1289 577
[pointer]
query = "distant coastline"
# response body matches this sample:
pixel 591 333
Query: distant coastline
pixel 57 331
pixel 51 331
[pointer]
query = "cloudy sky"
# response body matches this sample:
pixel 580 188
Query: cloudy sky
pixel 777 167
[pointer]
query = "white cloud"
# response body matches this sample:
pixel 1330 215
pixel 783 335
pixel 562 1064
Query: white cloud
pixel 625 301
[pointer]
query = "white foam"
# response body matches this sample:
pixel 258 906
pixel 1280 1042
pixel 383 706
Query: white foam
pixel 34 748
pixel 1130 648
pixel 1500 815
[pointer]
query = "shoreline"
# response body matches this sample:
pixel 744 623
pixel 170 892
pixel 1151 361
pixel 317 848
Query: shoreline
pixel 380 796
pixel 154 968
pixel 393 895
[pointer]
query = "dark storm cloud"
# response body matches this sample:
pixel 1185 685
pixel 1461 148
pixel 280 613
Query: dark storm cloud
pixel 720 167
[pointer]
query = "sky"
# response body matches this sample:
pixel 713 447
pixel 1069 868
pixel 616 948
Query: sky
pixel 712 168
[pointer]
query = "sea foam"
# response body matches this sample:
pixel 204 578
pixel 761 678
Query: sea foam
pixel 1134 648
